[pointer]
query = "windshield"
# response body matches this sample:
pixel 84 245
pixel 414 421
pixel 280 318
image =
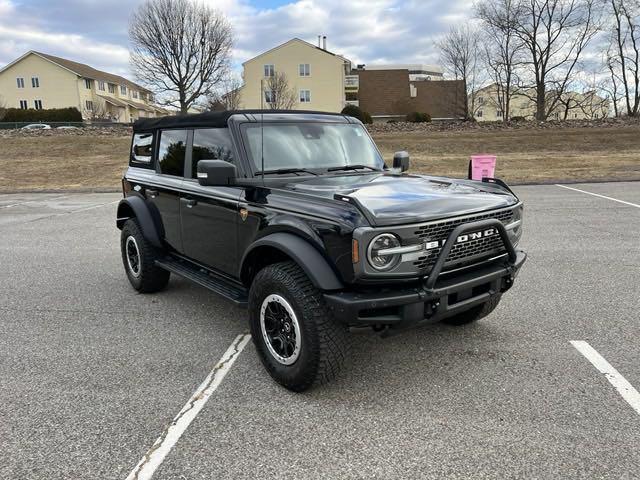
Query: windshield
pixel 311 146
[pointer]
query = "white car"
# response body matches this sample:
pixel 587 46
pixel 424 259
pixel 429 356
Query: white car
pixel 67 127
pixel 37 126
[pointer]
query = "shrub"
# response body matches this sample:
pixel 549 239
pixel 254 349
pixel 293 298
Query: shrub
pixel 70 114
pixel 357 112
pixel 517 119
pixel 418 117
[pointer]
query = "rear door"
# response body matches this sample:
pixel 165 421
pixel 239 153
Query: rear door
pixel 165 194
pixel 210 214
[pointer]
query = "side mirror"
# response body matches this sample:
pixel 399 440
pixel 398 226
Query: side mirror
pixel 213 173
pixel 401 161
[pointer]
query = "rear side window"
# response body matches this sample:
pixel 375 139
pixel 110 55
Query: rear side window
pixel 211 144
pixel 171 152
pixel 142 148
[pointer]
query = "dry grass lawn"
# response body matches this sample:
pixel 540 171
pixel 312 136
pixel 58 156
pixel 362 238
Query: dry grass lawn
pixel 524 156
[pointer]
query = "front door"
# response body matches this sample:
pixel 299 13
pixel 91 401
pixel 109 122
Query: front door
pixel 210 215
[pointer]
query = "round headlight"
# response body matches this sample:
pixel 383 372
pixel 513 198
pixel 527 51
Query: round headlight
pixel 378 258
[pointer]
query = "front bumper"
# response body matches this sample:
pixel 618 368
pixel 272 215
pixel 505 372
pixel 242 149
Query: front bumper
pixel 437 297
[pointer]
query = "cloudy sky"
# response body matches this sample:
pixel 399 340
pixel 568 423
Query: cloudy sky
pixel 366 31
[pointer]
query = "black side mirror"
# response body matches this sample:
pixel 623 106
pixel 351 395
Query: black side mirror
pixel 401 161
pixel 213 173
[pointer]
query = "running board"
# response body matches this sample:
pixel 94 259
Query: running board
pixel 206 278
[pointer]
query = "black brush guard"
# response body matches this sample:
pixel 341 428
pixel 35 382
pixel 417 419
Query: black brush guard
pixel 436 298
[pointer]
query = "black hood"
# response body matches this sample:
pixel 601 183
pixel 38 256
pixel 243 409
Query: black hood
pixel 389 199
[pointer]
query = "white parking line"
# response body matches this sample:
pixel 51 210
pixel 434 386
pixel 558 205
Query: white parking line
pixel 624 388
pixel 598 195
pixel 151 460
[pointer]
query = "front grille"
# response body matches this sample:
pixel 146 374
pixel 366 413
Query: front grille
pixel 463 252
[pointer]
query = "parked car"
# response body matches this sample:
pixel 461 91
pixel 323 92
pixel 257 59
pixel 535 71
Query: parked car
pixel 67 127
pixel 296 217
pixel 37 126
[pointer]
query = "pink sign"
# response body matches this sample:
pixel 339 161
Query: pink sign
pixel 482 166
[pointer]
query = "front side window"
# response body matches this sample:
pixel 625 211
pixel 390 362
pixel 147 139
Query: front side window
pixel 87 84
pixel 305 96
pixel 171 152
pixel 210 144
pixel 305 69
pixel 142 148
pixel 37 104
pixel 269 70
pixel 20 82
pixel 310 145
pixel 35 82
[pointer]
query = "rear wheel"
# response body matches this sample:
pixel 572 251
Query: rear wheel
pixel 139 257
pixel 298 340
pixel 474 314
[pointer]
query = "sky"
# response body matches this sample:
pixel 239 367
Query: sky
pixel 365 31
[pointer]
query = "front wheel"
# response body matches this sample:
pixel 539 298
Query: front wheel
pixel 139 257
pixel 298 340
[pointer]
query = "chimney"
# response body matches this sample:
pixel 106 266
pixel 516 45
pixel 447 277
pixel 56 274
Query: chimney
pixel 324 42
pixel 319 41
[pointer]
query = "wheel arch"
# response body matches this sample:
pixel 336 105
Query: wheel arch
pixel 136 207
pixel 283 246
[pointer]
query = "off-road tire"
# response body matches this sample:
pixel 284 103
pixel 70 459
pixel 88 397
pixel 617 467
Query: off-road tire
pixel 474 314
pixel 325 343
pixel 150 278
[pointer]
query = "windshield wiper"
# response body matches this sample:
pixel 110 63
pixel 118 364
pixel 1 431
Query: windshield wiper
pixel 281 171
pixel 351 167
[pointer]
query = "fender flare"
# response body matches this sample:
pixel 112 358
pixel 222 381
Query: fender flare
pixel 142 212
pixel 304 254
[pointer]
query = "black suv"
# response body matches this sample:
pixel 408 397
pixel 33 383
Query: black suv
pixel 296 216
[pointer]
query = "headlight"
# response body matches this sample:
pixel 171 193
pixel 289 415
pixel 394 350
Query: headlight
pixel 381 253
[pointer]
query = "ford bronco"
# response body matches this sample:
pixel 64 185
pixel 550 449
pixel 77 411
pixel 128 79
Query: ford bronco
pixel 297 217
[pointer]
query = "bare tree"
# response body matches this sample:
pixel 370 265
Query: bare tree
pixel 555 34
pixel 278 95
pixel 503 48
pixel 623 60
pixel 228 95
pixel 181 50
pixel 459 53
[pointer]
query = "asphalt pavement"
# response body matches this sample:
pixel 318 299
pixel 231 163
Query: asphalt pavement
pixel 91 372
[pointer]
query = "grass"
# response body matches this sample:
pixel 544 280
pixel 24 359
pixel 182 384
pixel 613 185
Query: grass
pixel 524 156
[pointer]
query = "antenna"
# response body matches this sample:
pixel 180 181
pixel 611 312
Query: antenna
pixel 262 129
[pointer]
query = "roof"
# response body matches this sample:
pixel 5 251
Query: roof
pixel 295 39
pixel 216 119
pixel 82 70
pixel 113 101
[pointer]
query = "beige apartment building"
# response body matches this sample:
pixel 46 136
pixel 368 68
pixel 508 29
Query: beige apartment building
pixel 573 105
pixel 41 81
pixel 315 75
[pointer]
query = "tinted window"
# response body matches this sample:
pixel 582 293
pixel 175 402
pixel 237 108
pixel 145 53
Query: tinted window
pixel 142 148
pixel 211 144
pixel 173 146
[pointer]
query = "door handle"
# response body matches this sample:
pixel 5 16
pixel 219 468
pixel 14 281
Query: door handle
pixel 190 202
pixel 152 193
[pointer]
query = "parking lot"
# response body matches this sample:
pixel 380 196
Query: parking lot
pixel 91 372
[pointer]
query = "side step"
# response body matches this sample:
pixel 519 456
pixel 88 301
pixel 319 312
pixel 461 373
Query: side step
pixel 206 278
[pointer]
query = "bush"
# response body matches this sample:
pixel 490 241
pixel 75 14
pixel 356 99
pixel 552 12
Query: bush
pixel 70 114
pixel 418 117
pixel 357 112
pixel 518 119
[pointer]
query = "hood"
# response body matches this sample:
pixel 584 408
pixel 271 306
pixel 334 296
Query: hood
pixel 391 199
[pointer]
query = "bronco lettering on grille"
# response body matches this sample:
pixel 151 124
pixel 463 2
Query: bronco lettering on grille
pixel 462 238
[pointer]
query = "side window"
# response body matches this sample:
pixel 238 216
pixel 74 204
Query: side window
pixel 171 153
pixel 210 144
pixel 142 149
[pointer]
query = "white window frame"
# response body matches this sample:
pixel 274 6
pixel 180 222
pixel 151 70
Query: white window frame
pixel 87 83
pixel 305 96
pixel 37 104
pixel 24 104
pixel 20 82
pixel 101 85
pixel 123 89
pixel 479 114
pixel 35 82
pixel 304 70
pixel 134 93
pixel 88 105
pixel 269 70
pixel 112 88
pixel 271 94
